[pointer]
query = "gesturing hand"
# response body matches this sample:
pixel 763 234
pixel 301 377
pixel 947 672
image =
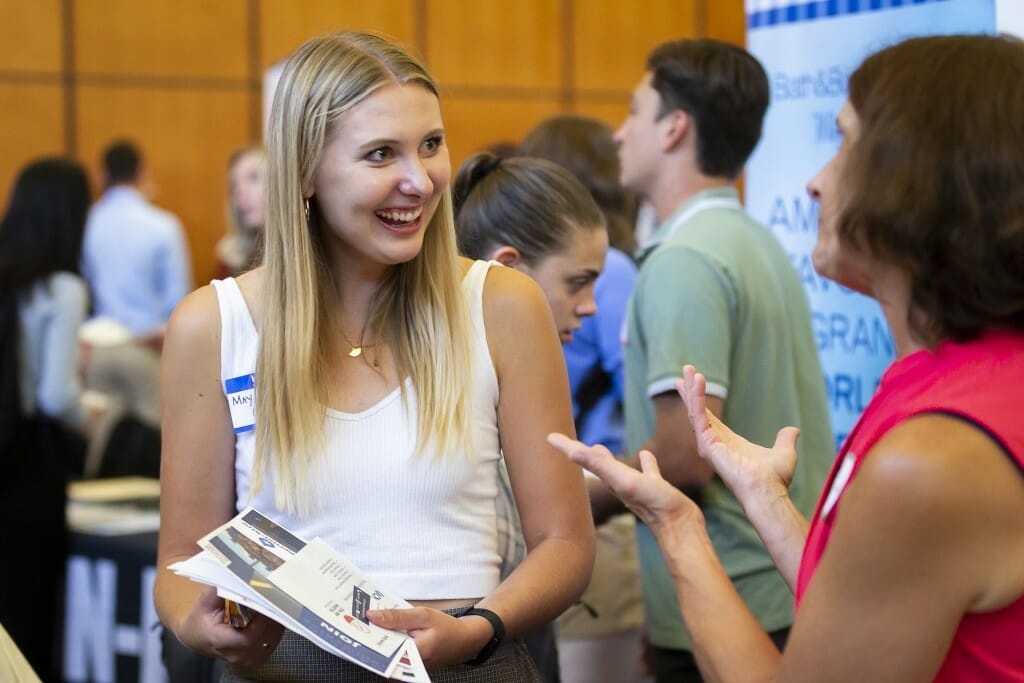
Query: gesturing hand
pixel 747 469
pixel 659 504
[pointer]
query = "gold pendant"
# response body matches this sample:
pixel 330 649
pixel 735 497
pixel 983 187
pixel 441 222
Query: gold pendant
pixel 355 352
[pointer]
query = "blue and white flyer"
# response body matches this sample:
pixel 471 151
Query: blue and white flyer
pixel 307 587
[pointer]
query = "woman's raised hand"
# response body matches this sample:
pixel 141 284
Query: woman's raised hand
pixel 659 504
pixel 747 469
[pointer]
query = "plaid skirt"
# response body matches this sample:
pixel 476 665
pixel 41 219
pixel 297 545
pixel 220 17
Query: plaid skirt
pixel 296 659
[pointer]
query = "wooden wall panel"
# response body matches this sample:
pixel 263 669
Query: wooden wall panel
pixel 612 38
pixel 184 146
pixel 30 35
pixel 727 21
pixel 498 44
pixel 286 24
pixel 608 110
pixel 32 124
pixel 474 123
pixel 190 38
pixel 183 76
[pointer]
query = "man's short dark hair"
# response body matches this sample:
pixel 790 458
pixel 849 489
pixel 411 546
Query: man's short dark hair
pixel 723 88
pixel 121 162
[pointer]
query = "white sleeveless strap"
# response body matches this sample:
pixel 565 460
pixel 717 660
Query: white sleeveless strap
pixel 239 345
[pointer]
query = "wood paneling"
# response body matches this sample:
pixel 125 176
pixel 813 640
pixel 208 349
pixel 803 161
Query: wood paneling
pixel 287 24
pixel 183 76
pixel 502 43
pixel 30 35
pixel 612 38
pixel 475 123
pixel 185 150
pixel 608 110
pixel 32 124
pixel 179 38
pixel 727 21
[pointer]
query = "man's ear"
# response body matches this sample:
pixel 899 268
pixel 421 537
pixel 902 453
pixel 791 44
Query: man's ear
pixel 677 125
pixel 507 256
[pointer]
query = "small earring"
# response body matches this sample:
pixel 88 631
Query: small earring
pixel 306 208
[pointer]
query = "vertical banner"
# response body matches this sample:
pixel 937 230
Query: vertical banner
pixel 809 50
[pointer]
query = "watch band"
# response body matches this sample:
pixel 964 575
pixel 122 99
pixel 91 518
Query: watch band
pixel 499 632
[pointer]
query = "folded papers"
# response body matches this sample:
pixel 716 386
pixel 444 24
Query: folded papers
pixel 307 587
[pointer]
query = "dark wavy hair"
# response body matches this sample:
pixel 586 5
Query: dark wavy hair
pixel 934 182
pixel 41 233
pixel 723 88
pixel 527 203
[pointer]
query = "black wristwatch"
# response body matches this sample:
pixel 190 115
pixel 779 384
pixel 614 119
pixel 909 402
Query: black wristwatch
pixel 499 632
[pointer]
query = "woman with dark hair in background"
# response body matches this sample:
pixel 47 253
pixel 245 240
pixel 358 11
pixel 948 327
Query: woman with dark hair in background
pixel 910 568
pixel 44 415
pixel 605 646
pixel 534 216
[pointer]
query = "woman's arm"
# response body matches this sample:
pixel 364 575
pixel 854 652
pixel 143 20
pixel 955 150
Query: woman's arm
pixel 929 528
pixel 197 486
pixel 59 386
pixel 549 490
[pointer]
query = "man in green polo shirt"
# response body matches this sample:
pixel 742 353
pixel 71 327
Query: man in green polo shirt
pixel 715 290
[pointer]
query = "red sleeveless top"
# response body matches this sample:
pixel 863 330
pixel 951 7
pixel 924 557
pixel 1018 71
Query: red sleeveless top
pixel 982 382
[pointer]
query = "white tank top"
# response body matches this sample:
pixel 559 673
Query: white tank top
pixel 420 525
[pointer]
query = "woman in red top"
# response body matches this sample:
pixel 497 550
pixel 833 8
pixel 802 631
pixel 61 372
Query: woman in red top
pixel 912 567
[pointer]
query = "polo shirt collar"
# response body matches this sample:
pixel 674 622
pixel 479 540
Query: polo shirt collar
pixel 719 197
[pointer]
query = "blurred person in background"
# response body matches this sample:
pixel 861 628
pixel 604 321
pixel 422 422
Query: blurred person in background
pixel 135 256
pixel 599 638
pixel 136 260
pixel 241 248
pixel 45 415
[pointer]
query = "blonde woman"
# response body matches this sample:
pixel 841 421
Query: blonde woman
pixel 392 377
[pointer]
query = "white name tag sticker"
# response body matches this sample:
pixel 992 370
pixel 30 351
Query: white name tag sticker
pixel 839 484
pixel 241 393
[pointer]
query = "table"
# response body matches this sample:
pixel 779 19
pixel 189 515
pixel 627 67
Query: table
pixel 111 631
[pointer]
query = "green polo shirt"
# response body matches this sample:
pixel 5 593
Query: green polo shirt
pixel 716 290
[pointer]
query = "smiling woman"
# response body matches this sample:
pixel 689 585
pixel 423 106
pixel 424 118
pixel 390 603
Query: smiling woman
pixel 390 389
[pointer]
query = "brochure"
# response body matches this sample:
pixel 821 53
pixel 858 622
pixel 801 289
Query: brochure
pixel 307 587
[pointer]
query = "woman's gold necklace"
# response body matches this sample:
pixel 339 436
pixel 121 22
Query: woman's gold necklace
pixel 356 350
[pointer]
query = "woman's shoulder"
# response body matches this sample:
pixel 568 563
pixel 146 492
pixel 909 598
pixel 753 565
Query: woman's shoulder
pixel 67 290
pixel 66 282
pixel 507 289
pixel 939 472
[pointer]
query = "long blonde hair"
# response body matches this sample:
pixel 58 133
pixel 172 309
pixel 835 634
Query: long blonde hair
pixel 419 308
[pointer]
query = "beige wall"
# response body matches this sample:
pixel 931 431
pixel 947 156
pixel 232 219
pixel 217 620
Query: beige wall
pixel 183 77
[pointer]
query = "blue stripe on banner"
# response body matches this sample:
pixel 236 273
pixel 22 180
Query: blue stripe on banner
pixel 822 9
pixel 236 384
pixel 246 428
